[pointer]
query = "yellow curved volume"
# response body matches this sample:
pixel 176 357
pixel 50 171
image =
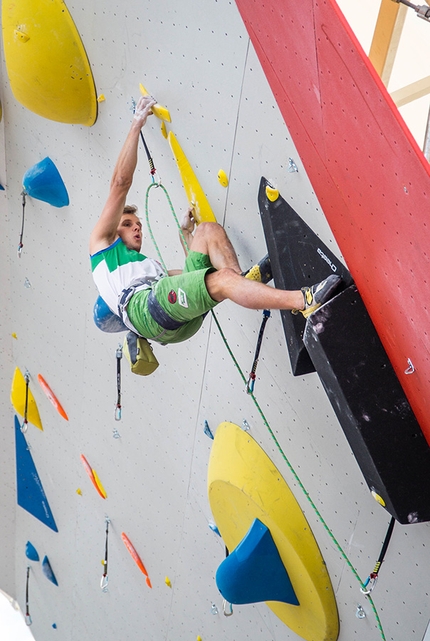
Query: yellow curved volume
pixel 195 194
pixel 244 484
pixel 48 68
pixel 17 398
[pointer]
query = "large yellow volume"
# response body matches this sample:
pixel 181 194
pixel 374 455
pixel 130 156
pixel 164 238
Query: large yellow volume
pixel 244 484
pixel 195 194
pixel 48 69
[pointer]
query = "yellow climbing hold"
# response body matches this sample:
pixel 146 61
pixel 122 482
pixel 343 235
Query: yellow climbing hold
pixel 158 110
pixel 163 129
pixel 195 194
pixel 99 485
pixel 101 98
pixel 223 178
pixel 47 66
pixel 378 498
pixel 272 193
pixel 79 491
pixel 199 638
pixel 168 582
pixel 14 335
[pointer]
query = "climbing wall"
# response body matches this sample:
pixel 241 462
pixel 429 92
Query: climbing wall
pixel 197 60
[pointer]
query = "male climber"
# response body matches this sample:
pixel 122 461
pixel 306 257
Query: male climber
pixel 169 308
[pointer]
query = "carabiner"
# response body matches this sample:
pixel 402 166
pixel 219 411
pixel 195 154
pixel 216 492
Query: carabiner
pixel 371 581
pixel 224 605
pixel 155 173
pixel 251 383
pixel 104 582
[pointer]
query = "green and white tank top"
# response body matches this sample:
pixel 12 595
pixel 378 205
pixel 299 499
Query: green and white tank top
pixel 117 267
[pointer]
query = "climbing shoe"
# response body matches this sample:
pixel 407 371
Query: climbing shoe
pixel 262 272
pixel 318 294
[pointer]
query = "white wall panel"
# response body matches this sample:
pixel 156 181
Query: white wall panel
pixel 196 58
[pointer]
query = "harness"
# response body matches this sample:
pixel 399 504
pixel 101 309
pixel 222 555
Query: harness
pixel 158 314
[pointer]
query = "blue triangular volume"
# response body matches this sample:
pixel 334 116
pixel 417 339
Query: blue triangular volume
pixel 254 571
pixel 31 495
pixel 47 571
pixel 43 181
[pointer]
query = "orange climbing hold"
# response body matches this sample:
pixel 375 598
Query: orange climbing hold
pixel 136 558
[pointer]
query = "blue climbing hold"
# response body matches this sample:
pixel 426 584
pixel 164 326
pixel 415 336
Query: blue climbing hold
pixel 214 528
pixel 31 552
pixel 254 571
pixel 207 430
pixel 43 182
pixel 47 571
pixel 105 319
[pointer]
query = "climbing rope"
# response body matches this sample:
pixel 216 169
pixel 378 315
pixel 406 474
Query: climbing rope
pixel 263 417
pixel 162 187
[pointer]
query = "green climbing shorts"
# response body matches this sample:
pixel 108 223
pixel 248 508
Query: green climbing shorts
pixel 183 297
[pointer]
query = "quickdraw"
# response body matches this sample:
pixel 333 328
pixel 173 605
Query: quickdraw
pixel 118 409
pixel 370 583
pixel 24 426
pixel 105 579
pixel 152 169
pixel 20 245
pixel 251 380
pixel 28 620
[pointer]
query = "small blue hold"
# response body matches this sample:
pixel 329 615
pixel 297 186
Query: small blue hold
pixel 54 625
pixel 31 552
pixel 207 430
pixel 47 571
pixel 214 528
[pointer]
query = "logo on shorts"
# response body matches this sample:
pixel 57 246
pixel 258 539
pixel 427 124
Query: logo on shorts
pixel 182 298
pixel 172 296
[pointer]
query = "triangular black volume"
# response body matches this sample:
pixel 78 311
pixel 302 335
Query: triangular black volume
pixel 371 406
pixel 298 259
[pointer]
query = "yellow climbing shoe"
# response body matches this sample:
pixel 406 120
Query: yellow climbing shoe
pixel 318 294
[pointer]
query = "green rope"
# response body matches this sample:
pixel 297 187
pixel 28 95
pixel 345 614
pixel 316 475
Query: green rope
pixel 149 224
pixel 263 417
